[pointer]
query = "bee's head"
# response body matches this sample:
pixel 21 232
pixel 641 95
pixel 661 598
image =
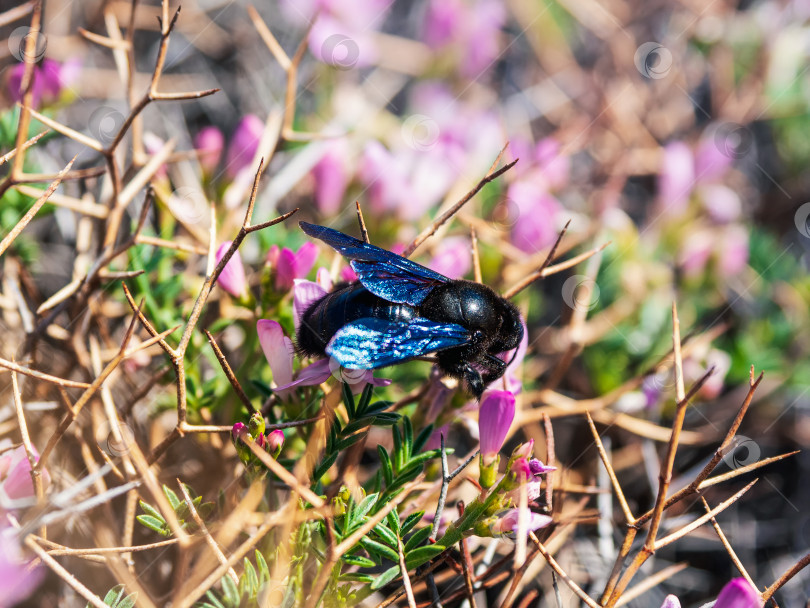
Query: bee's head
pixel 511 331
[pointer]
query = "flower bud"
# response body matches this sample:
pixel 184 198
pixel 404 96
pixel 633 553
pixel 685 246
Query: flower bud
pixel 232 278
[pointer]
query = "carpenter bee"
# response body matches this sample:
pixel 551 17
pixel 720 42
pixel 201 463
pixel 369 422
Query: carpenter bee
pixel 399 310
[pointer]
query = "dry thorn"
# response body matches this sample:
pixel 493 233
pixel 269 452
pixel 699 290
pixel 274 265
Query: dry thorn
pixel 650 582
pixel 729 549
pixel 491 175
pixel 476 258
pixel 362 222
pixel 788 574
pixel 268 38
pixel 223 362
pixel 406 580
pixel 11 154
pixel 561 573
pixel 10 365
pixel 628 515
pixel 62 573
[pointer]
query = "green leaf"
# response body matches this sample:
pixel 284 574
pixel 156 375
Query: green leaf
pixel 386 418
pixel 251 585
pixel 421 555
pixel 264 571
pixel 407 431
pixel 171 497
pixel 418 460
pixel 364 507
pixel 417 539
pixel 230 591
pixel 393 520
pixel 128 601
pixel 356 577
pixel 216 603
pixel 348 400
pixel 153 524
pixel 385 462
pixel 422 438
pixel 349 441
pixel 324 466
pixel 365 399
pixel 360 423
pixel 411 521
pixel 113 595
pixel 387 536
pixel 379 549
pixel 399 455
pixel 150 510
pixel 385 578
pixel 359 560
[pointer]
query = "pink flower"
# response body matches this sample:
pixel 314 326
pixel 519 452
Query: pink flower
pixel 733 250
pixel 348 274
pixel 17 582
pixel 520 467
pixel 331 177
pixel 15 474
pixel 710 161
pixel 209 143
pixel 696 250
pixel 738 593
pixel 244 143
pixel 676 178
pixel 50 77
pixel 472 29
pixel 274 441
pixel 535 228
pixel 513 383
pixel 671 601
pixel 494 419
pixel 153 144
pixel 537 467
pixel 508 523
pixel 232 278
pixel 721 202
pixel 293 265
pixel 239 431
pixel 434 442
pixel 305 293
pixel 279 352
pixel 453 257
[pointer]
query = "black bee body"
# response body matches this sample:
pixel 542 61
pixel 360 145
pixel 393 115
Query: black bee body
pixel 399 310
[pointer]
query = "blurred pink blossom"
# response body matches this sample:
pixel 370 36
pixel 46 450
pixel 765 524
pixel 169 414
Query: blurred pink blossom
pixel 495 416
pixel 243 145
pixel 348 274
pixel 696 250
pixel 15 474
pixel 292 265
pixel 535 228
pixel 453 257
pixel 513 383
pixel 676 178
pixel 342 34
pixel 50 77
pixel 733 250
pixel 710 161
pixel 209 143
pixel 332 175
pixel 232 278
pixel 17 580
pixel 721 202
pixel 305 293
pixel 471 29
pixel 508 523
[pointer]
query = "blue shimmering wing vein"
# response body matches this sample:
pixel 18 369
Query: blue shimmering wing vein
pixel 372 343
pixel 382 272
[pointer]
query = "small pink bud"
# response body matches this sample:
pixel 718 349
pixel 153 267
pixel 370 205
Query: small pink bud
pixel 239 431
pixel 244 143
pixel 538 468
pixel 738 593
pixel 232 278
pixel 275 441
pixel 209 143
pixel 495 416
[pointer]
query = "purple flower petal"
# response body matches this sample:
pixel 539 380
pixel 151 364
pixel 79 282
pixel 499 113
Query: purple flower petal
pixel 494 419
pixel 331 178
pixel 535 228
pixel 508 523
pixel 209 143
pixel 671 601
pixel 310 376
pixel 16 581
pixel 305 259
pixel 278 350
pixel 537 467
pixel 285 270
pixel 232 278
pixel 676 178
pixel 244 143
pixel 304 294
pixel 738 593
pixel 453 257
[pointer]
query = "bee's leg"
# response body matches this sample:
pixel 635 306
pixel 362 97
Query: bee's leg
pixel 456 368
pixel 496 368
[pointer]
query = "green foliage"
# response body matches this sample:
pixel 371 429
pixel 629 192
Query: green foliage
pixel 115 598
pixel 153 519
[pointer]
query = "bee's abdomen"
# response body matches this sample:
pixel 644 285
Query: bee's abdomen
pixel 343 305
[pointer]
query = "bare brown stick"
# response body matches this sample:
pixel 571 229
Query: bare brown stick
pixel 29 215
pixel 476 257
pixel 617 488
pixel 10 365
pixel 406 580
pixel 727 546
pixel 362 222
pixel 789 574
pixel 562 574
pixel 650 582
pixel 491 175
pixel 229 373
pixel 550 460
pixel 64 574
pixel 550 270
pixel 11 154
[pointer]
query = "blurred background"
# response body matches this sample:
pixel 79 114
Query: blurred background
pixel 677 131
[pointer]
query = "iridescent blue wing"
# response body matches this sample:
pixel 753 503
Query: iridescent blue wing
pixel 385 274
pixel 371 343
